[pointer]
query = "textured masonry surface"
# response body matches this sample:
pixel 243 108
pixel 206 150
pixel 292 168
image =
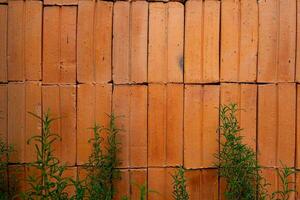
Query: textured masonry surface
pixel 165 66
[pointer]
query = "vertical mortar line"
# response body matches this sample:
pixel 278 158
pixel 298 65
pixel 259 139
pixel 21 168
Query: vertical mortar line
pixel 59 41
pixel 202 115
pixel 147 114
pixel 277 121
pixel 60 120
pixel 183 86
pixel 166 35
pixel 93 42
pixel 76 92
pixel 76 48
pixel 202 39
pixel 24 40
pixel 111 42
pixel 257 42
pixel 166 100
pixel 129 75
pixel 129 124
pixel 239 39
pixel 277 38
pixel 295 128
pixel 296 42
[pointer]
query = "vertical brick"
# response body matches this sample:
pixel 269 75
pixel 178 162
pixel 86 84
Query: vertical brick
pixel 94 38
pixel 138 41
pixel 230 33
pixel 61 103
pixel 59 56
pixel 33 40
pixel 3 113
pixel 276 124
pixel 249 41
pixel 93 102
pixel 277 34
pixel 160 180
pixel 175 41
pixel 130 102
pixel 202 184
pixel 165 125
pixel 202 41
pixel 121 46
pixel 24 40
pixel 15 51
pixel 165 61
pixel 239 35
pixel 200 125
pixel 298 128
pixel 130 42
pixel 3 43
pixel 130 183
pixel 23 98
pixel 245 96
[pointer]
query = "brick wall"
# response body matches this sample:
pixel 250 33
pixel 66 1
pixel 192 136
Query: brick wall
pixel 166 66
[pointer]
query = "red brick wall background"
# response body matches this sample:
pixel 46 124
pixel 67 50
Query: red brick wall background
pixel 166 66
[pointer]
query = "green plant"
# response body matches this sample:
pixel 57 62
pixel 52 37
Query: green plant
pixel 287 186
pixel 143 192
pixel 5 152
pixel 179 185
pixel 48 183
pixel 237 162
pixel 101 167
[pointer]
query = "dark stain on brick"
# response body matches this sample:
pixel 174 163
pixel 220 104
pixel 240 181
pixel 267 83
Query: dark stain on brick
pixel 181 63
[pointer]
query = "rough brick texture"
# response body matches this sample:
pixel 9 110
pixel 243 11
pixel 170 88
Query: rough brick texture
pixel 163 67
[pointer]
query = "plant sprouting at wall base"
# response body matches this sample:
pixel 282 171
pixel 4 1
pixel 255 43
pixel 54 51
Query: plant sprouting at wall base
pixel 48 183
pixel 179 185
pixel 102 165
pixel 5 152
pixel 238 165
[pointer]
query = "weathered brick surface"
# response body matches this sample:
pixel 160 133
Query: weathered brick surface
pixel 200 139
pixel 59 39
pixel 164 67
pixel 130 104
pixel 24 40
pixel 277 41
pixel 202 184
pixel 3 43
pixel 276 124
pixel 94 37
pixel 165 124
pixel 23 98
pixel 201 61
pixel 165 60
pixel 60 101
pixel 93 103
pixel 245 96
pixel 239 35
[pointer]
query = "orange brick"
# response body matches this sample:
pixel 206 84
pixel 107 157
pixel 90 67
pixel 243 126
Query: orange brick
pixel 130 102
pixel 245 96
pixel 24 40
pixel 33 40
pixel 60 2
pixel 165 125
pixel 138 41
pixel 202 184
pixel 128 185
pixel 15 51
pixel 298 44
pixel 276 124
pixel 94 41
pixel 3 43
pixel 277 34
pixel 130 42
pixel 160 181
pixel 23 98
pixel 121 35
pixel 61 102
pixel 165 61
pixel 200 125
pixel 239 40
pixel 93 103
pixel 59 51
pixel 3 113
pixel 202 41
pixel 298 128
